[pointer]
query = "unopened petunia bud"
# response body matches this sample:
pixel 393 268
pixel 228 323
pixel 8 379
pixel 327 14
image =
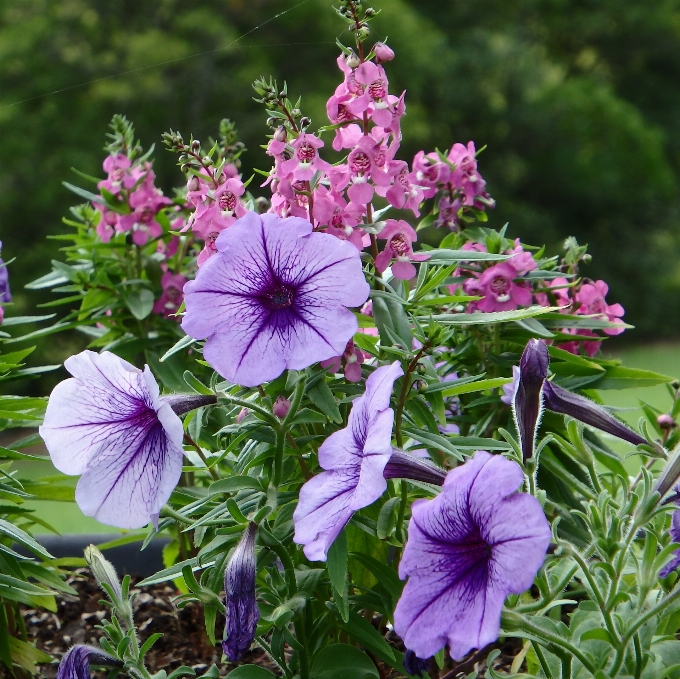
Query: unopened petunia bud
pixel 281 133
pixel 383 52
pixel 239 585
pixel 183 403
pixel 584 410
pixel 415 665
pixel 527 403
pixel 401 465
pixel 103 571
pixel 76 663
pixel 353 60
pixel 281 407
pixel 665 421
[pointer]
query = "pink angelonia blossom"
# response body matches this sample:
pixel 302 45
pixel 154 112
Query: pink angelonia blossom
pixel 403 194
pixel 559 288
pixel 383 52
pixel 197 190
pixel 365 164
pixel 332 210
pixel 591 297
pixel 591 347
pixel 306 160
pixel 466 178
pixel 400 236
pixel 108 221
pixel 374 99
pixel 522 261
pixel 171 298
pixel 449 213
pixel 501 293
pixel 352 358
pixel 338 112
pixel 429 172
pixel 119 176
pixel 228 197
pixel 286 202
pixel 146 202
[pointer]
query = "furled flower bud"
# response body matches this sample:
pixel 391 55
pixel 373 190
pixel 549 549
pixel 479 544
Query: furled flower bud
pixel 239 585
pixel 383 52
pixel 527 403
pixel 281 133
pixel 103 571
pixel 183 403
pixel 415 665
pixel 353 61
pixel 76 663
pixel 404 466
pixel 281 407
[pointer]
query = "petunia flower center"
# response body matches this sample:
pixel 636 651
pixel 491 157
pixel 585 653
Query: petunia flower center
pixel 279 297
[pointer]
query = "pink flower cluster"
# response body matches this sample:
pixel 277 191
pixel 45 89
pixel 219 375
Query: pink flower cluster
pixel 456 181
pixel 133 184
pixel 503 288
pixel 216 198
pixel 338 198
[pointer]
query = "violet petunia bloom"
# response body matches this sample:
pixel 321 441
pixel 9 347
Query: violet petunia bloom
pixel 110 424
pixel 76 663
pixel 274 296
pixel 239 585
pixel 5 295
pixel 354 459
pixel 469 548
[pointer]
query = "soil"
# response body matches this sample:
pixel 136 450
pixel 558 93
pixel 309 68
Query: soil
pixel 184 641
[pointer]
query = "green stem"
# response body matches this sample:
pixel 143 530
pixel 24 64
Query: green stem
pixel 599 598
pixel 295 403
pixel 301 634
pixel 402 510
pixel 270 653
pixel 199 452
pixel 519 622
pixel 559 587
pixel 278 455
pixel 541 659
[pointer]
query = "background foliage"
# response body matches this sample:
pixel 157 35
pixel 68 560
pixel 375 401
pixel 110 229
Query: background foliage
pixel 577 101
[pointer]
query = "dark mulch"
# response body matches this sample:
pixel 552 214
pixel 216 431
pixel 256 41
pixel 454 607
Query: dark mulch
pixel 184 640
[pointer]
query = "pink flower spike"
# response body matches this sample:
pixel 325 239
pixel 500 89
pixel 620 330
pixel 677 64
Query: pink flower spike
pixel 500 290
pixel 400 236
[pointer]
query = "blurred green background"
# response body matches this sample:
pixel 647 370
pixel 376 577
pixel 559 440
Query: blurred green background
pixel 577 100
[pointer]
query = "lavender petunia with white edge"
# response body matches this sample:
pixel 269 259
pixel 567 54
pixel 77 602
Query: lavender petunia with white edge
pixel 275 296
pixel 110 424
pixel 354 459
pixel 476 542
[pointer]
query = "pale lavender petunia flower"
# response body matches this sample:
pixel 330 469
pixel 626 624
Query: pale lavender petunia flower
pixel 674 531
pixel 110 424
pixel 241 604
pixel 467 549
pixel 76 663
pixel 354 459
pixel 275 296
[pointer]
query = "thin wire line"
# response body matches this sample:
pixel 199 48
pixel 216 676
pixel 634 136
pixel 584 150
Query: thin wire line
pixel 172 61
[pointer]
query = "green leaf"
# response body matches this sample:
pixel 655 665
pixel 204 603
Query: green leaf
pixel 620 377
pixel 140 302
pixel 47 491
pixel 26 655
pixel 342 661
pixel 479 317
pixel 194 383
pixel 24 539
pixel 535 327
pixel 450 256
pixel 22 320
pixel 251 672
pixel 233 484
pixel 389 315
pixel 472 387
pixel 186 341
pixel 598 633
pixel 387 519
pixel 337 562
pixel 433 441
pixel 322 396
pixel 362 631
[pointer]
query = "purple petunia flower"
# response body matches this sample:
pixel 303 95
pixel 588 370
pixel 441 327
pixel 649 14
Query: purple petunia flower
pixel 275 296
pixel 354 459
pixel 467 549
pixel 239 585
pixel 110 424
pixel 76 663
pixel 5 295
